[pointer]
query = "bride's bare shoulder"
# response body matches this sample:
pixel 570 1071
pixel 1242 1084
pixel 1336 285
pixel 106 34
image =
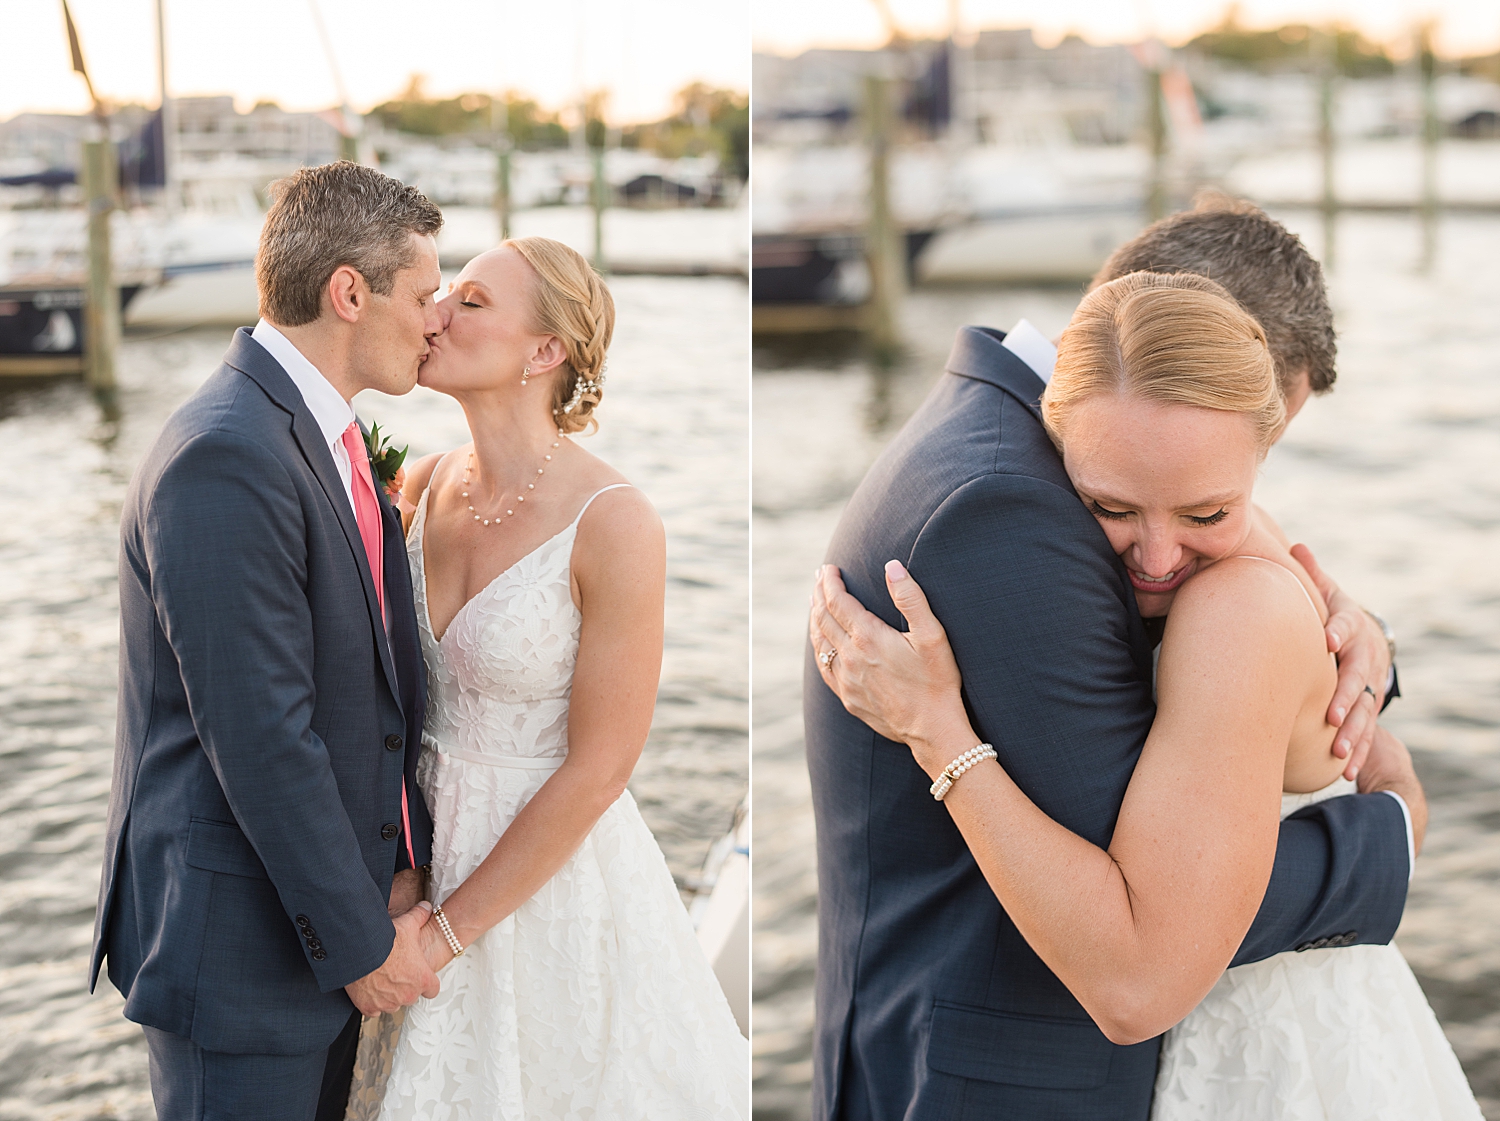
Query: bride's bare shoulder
pixel 419 475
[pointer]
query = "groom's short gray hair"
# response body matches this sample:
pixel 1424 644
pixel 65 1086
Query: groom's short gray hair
pixel 1263 265
pixel 322 218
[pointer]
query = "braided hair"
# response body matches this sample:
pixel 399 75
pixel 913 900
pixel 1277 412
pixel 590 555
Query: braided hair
pixel 570 301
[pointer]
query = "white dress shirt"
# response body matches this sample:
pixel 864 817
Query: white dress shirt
pixel 1036 350
pixel 326 403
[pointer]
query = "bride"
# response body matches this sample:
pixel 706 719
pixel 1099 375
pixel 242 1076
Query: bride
pixel 1163 403
pixel 573 985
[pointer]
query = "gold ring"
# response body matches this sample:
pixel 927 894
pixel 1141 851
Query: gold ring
pixel 826 658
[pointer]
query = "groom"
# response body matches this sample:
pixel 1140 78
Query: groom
pixel 265 833
pixel 930 1004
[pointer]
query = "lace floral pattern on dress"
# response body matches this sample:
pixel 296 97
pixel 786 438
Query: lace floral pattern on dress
pixel 593 1000
pixel 1324 1035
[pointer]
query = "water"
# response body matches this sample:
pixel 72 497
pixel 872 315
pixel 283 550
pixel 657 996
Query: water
pixel 673 421
pixel 1394 480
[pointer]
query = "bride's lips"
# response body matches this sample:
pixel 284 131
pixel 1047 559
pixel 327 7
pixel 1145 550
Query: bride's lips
pixel 1171 582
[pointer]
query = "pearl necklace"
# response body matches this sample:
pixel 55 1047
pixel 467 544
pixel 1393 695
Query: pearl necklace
pixel 469 465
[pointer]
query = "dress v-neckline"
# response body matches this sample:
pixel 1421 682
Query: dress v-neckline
pixel 421 516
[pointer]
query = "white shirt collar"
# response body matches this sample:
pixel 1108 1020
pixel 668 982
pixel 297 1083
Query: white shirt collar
pixel 326 403
pixel 1032 347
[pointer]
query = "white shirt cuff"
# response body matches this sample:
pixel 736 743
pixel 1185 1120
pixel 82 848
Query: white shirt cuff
pixel 1411 840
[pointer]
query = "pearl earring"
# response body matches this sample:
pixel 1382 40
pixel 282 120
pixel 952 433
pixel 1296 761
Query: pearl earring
pixel 524 373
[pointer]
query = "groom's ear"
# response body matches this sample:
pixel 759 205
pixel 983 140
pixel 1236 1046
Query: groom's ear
pixel 347 293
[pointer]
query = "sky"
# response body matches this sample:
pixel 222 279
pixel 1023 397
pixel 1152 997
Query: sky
pixel 642 50
pixel 1464 27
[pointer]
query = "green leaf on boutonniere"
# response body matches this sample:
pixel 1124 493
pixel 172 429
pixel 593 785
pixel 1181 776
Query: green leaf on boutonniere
pixel 386 459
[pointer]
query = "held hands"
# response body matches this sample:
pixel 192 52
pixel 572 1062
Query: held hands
pixel 904 686
pixel 406 974
pixel 1364 658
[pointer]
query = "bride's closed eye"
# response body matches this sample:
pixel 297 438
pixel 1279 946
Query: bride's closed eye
pixel 468 303
pixel 1211 519
pixel 1100 512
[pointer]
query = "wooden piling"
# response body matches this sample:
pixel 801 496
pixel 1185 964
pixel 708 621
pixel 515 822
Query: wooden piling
pixel 1156 134
pixel 885 252
pixel 1326 65
pixel 1427 61
pixel 600 200
pixel 101 332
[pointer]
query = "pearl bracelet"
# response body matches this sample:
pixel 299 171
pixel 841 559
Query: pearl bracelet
pixel 453 943
pixel 964 762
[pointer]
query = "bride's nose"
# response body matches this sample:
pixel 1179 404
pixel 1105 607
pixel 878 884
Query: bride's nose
pixel 1157 552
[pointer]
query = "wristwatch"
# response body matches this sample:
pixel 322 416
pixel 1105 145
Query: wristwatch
pixel 1385 629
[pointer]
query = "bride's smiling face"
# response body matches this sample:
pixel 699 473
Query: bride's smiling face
pixel 1170 484
pixel 487 337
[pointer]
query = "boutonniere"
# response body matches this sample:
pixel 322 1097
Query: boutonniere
pixel 387 461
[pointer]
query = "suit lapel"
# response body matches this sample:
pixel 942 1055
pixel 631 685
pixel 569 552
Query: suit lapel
pixel 979 353
pixel 251 359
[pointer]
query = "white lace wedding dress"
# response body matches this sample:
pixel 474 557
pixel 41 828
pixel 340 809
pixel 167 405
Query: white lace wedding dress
pixel 593 999
pixel 1331 1034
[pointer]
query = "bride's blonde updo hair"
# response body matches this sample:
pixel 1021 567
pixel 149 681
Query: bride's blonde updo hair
pixel 1173 338
pixel 570 301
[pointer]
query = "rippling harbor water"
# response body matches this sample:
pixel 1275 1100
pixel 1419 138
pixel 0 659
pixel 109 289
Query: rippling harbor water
pixel 1394 480
pixel 673 421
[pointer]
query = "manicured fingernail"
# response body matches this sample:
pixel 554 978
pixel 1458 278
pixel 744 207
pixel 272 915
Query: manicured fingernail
pixel 895 570
pixel 1353 773
pixel 1343 747
pixel 1338 639
pixel 426 906
pixel 1339 714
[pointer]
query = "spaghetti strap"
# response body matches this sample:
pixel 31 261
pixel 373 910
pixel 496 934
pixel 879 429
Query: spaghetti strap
pixel 596 494
pixel 1303 587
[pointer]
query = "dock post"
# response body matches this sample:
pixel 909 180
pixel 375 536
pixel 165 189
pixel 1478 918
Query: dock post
pixel 502 189
pixel 101 332
pixel 885 250
pixel 1427 60
pixel 600 187
pixel 1326 44
pixel 1156 131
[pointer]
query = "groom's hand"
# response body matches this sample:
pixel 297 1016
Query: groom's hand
pixel 1389 768
pixel 406 891
pixel 1364 659
pixel 405 975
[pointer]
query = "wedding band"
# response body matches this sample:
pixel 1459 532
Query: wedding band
pixel 826 658
pixel 1373 697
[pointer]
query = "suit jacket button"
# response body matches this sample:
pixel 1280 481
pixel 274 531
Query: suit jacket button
pixel 1351 938
pixel 393 743
pixel 301 920
pixel 314 945
pixel 319 955
pixel 1304 946
pixel 389 832
pixel 309 932
pixel 1320 944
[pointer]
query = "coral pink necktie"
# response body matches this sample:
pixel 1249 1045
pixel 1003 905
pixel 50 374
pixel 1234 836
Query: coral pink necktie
pixel 371 533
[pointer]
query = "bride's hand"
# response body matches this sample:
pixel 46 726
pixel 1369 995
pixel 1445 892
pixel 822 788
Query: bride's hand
pixel 904 686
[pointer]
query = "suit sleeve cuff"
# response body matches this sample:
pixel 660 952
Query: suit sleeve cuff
pixel 1411 841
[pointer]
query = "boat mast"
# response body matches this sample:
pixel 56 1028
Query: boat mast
pixel 168 115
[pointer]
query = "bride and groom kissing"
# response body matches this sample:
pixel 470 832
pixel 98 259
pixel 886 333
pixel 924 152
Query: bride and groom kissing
pixel 373 757
pixel 1106 826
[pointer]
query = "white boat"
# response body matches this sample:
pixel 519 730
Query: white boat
pixel 720 910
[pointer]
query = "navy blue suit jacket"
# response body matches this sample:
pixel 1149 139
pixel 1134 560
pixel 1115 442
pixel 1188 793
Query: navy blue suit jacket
pixel 266 726
pixel 930 1004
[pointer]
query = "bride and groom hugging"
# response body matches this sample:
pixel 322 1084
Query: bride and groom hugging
pixel 330 721
pixel 1088 844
